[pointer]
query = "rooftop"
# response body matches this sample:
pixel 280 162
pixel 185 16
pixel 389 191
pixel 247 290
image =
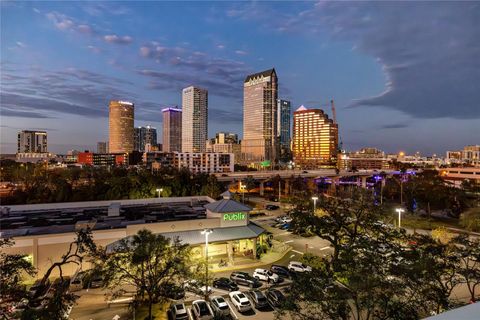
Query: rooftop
pixel 265 73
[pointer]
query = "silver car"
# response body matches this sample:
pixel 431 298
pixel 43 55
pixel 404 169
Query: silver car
pixel 220 306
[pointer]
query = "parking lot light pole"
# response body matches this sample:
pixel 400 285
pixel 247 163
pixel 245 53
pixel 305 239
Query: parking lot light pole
pixel 314 198
pixel 159 190
pixel 400 211
pixel 206 232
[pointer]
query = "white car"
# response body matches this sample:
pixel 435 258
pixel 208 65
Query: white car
pixel 265 275
pixel 201 310
pixel 240 301
pixel 296 266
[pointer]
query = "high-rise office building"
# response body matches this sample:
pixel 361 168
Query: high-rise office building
pixel 172 130
pixel 194 119
pixel 283 129
pixel 315 139
pixel 226 137
pixel 144 138
pixel 260 93
pixel 102 147
pixel 31 141
pixel 121 133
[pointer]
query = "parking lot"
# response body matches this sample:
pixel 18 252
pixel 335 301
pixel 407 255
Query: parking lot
pixel 94 298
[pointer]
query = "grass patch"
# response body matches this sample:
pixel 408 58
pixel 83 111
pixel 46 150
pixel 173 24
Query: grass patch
pixel 417 222
pixel 159 312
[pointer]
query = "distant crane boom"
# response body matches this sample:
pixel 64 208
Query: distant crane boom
pixel 334 114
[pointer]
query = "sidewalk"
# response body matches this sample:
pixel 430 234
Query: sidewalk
pixel 240 263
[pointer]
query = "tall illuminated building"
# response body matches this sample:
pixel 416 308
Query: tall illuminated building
pixel 32 141
pixel 172 129
pixel 315 139
pixel 144 138
pixel 194 119
pixel 260 93
pixel 284 112
pixel 121 132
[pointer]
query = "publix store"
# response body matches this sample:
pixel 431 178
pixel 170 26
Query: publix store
pixel 232 235
pixel 44 231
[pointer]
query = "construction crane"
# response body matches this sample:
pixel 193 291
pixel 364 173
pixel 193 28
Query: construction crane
pixel 334 114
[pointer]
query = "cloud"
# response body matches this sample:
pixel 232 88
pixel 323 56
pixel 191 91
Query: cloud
pixel 241 52
pixel 222 77
pixel 221 46
pixel 61 21
pixel 21 44
pixel 429 54
pixel 394 126
pixel 113 38
pixel 94 49
pixel 46 94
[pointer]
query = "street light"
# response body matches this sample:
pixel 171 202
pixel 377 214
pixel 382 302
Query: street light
pixel 206 232
pixel 242 187
pixel 399 210
pixel 314 198
pixel 159 190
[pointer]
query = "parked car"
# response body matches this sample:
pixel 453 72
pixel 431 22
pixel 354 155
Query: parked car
pixel 285 226
pixel 178 311
pixel 201 310
pixel 194 286
pixel 225 284
pixel 280 270
pixel 275 297
pixel 272 207
pixel 76 283
pixel 245 279
pixel 258 299
pixel 265 275
pixel 175 292
pixel 240 301
pixel 38 289
pixel 295 266
pixel 96 281
pixel 219 306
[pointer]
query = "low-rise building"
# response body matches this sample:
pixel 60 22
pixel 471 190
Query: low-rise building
pixel 364 159
pixel 457 175
pixel 44 232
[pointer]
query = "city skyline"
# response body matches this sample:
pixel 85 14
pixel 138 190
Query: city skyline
pixel 84 55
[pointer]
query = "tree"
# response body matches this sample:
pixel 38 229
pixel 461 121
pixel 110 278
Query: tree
pixel 12 268
pixel 469 269
pixel 149 262
pixel 212 188
pixel 250 183
pixel 373 272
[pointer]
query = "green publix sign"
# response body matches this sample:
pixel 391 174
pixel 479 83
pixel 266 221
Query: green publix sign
pixel 234 216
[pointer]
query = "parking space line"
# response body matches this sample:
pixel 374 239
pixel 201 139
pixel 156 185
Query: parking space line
pixel 296 251
pixel 324 248
pixel 289 241
pixel 231 309
pixel 292 256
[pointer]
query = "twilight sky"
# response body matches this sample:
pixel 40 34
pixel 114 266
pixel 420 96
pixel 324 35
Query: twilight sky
pixel 405 76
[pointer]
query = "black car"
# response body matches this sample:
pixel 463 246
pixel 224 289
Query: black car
pixel 245 279
pixel 175 292
pixel 275 297
pixel 258 298
pixel 280 270
pixel 225 284
pixel 271 207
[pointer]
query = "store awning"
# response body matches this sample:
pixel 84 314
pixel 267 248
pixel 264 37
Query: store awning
pixel 194 237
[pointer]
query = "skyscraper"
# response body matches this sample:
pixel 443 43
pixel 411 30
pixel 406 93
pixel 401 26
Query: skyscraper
pixel 194 119
pixel 315 139
pixel 121 132
pixel 283 129
pixel 30 141
pixel 172 129
pixel 102 147
pixel 260 93
pixel 145 138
